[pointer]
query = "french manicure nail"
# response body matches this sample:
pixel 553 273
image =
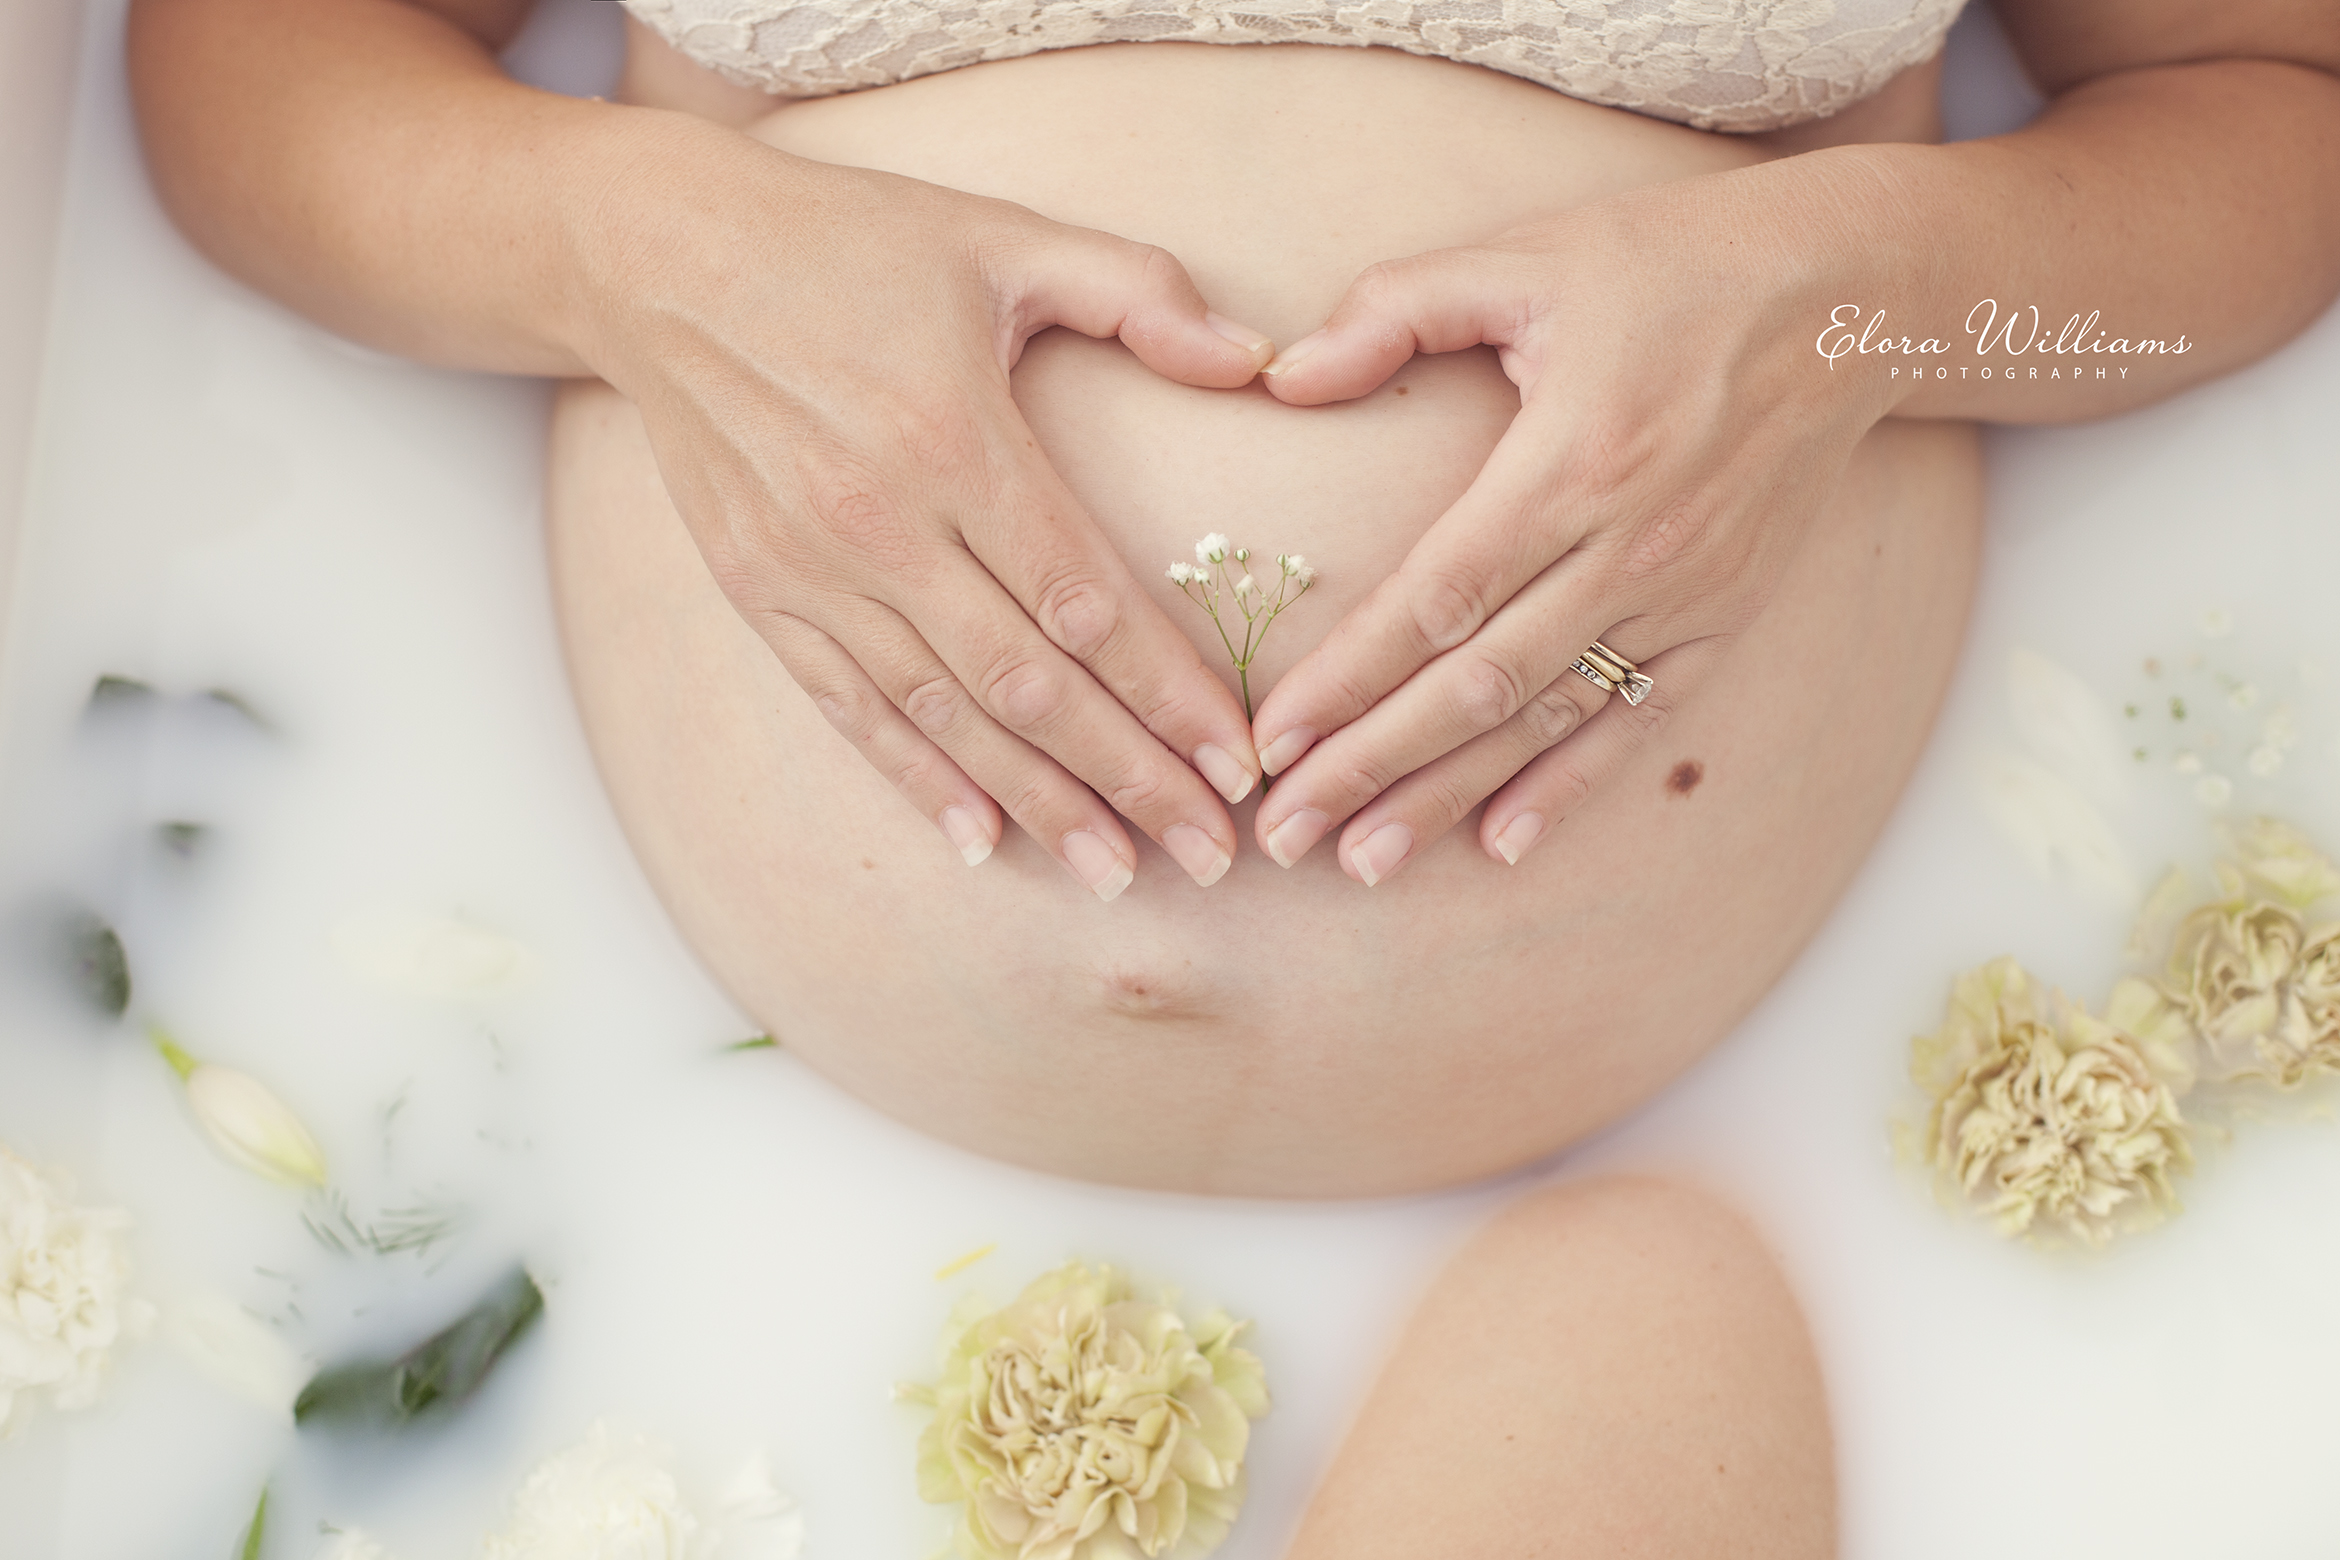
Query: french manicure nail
pixel 1381 851
pixel 1282 753
pixel 965 831
pixel 1229 778
pixel 1097 864
pixel 1255 342
pixel 1518 835
pixel 1290 357
pixel 1289 840
pixel 1197 852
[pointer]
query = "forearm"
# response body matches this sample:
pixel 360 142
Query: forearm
pixel 370 165
pixel 2194 205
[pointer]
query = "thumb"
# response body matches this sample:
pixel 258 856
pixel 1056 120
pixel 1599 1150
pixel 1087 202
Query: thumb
pixel 1442 301
pixel 1102 285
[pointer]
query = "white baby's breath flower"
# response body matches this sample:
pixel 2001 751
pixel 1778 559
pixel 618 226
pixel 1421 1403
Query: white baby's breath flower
pixel 1183 574
pixel 64 1293
pixel 2054 1125
pixel 2214 792
pixel 1211 549
pixel 614 1498
pixel 246 1121
pixel 1247 586
pixel 1081 1423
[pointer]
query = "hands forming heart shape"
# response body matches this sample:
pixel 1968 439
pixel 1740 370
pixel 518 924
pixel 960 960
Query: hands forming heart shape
pixel 889 526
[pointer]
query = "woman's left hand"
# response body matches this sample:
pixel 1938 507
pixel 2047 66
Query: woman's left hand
pixel 1677 430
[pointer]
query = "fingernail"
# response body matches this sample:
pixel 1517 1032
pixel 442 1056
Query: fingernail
pixel 1197 852
pixel 1289 840
pixel 1290 357
pixel 1255 342
pixel 1095 863
pixel 1518 835
pixel 966 831
pixel 1286 749
pixel 1218 766
pixel 1378 856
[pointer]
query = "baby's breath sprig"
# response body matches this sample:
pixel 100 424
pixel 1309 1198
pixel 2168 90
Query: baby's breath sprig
pixel 1205 580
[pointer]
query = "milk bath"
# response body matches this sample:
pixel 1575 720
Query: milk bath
pixel 410 912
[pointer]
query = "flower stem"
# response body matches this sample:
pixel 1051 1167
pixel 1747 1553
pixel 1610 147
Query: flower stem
pixel 181 1062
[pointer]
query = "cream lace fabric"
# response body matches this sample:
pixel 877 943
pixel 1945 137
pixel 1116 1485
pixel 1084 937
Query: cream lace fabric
pixel 1739 65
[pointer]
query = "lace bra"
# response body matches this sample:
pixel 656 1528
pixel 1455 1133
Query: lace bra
pixel 1736 65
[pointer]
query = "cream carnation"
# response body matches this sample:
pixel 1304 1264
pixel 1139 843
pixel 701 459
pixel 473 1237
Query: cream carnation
pixel 64 1292
pixel 2274 860
pixel 2053 1127
pixel 1081 1423
pixel 2261 989
pixel 613 1498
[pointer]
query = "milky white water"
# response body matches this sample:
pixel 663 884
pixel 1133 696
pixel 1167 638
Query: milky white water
pixel 413 915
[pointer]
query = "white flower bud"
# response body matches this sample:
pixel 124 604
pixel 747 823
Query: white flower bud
pixel 245 1122
pixel 1246 586
pixel 1242 555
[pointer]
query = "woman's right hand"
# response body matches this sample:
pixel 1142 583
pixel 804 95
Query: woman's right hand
pixel 820 355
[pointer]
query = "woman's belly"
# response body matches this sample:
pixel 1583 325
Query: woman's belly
pixel 1281 1032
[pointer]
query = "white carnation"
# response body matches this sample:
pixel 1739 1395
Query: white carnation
pixel 613 1498
pixel 64 1301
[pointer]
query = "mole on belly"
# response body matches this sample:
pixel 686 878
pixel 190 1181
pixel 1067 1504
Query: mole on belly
pixel 1685 777
pixel 1401 389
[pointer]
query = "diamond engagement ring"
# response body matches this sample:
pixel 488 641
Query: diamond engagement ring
pixel 1610 672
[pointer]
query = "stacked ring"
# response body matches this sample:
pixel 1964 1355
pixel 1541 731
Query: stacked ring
pixel 1610 672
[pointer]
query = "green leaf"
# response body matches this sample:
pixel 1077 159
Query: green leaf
pixel 110 692
pixel 259 1527
pixel 95 965
pixel 241 705
pixel 181 838
pixel 445 1368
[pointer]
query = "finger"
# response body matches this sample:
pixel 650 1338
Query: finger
pixel 1396 825
pixel 1556 784
pixel 1504 531
pixel 1063 815
pixel 990 661
pixel 1442 301
pixel 1102 285
pixel 1482 688
pixel 1065 578
pixel 862 714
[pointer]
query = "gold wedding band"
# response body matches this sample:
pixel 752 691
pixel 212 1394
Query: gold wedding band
pixel 1610 672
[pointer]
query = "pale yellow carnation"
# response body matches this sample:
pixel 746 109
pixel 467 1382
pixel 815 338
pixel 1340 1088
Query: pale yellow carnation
pixel 2054 1124
pixel 2273 860
pixel 2261 988
pixel 1081 1423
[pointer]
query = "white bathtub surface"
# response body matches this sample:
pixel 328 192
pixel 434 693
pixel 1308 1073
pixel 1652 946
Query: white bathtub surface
pixel 737 1256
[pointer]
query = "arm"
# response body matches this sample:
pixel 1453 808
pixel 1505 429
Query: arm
pixel 866 494
pixel 2183 180
pixel 1678 424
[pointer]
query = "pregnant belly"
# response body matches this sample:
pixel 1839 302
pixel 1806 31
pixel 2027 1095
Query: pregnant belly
pixel 1282 1032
